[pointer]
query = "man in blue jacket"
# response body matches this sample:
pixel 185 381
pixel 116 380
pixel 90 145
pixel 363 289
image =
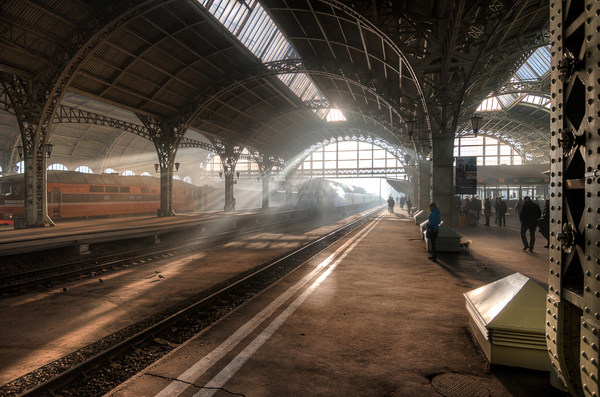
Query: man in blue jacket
pixel 433 228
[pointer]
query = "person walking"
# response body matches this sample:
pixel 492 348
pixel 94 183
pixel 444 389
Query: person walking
pixel 391 204
pixel 544 223
pixel 433 228
pixel 487 210
pixel 530 213
pixel 501 212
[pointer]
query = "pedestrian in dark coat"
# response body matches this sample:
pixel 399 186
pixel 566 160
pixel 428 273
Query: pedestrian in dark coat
pixel 487 211
pixel 476 206
pixel 544 223
pixel 501 212
pixel 530 213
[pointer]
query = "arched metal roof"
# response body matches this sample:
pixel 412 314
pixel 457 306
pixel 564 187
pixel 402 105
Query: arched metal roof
pixel 381 63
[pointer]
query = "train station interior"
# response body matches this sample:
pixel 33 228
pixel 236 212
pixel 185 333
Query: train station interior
pixel 242 108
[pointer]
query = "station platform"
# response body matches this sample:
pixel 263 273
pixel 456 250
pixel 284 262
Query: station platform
pixel 370 317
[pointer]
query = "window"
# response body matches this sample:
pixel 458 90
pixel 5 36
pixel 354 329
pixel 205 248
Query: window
pixel 489 151
pixel 145 174
pixel 128 173
pixel 145 190
pixel 124 189
pixel 57 167
pixel 112 189
pixel 84 169
pixel 351 157
pixel 96 189
pixel 110 171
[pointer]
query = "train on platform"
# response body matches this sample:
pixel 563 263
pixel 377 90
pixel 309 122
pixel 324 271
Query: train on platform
pixel 324 194
pixel 77 195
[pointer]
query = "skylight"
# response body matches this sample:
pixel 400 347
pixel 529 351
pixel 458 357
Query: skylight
pixel 488 105
pixel 536 68
pixel 538 100
pixel 335 115
pixel 249 22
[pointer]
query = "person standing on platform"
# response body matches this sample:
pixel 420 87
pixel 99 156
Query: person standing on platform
pixel 402 201
pixel 487 210
pixel 496 210
pixel 408 205
pixel 501 211
pixel 433 228
pixel 530 213
pixel 518 207
pixel 391 204
pixel 544 223
pixel 476 206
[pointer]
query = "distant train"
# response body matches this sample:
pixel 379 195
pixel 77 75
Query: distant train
pixel 324 194
pixel 78 195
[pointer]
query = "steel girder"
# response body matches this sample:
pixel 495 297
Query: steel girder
pixel 389 97
pixel 573 304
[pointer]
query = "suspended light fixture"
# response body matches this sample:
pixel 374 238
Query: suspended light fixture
pixel 411 125
pixel 177 167
pixel 49 149
pixel 476 123
pixel 156 166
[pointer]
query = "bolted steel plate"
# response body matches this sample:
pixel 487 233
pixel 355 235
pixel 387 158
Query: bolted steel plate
pixel 457 385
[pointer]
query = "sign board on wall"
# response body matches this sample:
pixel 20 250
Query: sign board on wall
pixel 466 175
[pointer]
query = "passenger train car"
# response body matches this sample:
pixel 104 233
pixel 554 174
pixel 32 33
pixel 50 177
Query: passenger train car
pixel 78 195
pixel 324 194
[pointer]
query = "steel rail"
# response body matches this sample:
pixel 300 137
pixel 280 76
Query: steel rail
pixel 65 271
pixel 72 374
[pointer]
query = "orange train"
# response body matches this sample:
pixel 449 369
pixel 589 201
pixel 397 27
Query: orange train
pixel 78 195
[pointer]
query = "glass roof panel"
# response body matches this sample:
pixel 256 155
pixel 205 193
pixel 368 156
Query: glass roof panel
pixel 249 22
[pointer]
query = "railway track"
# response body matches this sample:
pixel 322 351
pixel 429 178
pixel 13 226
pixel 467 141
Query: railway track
pixel 50 276
pixel 103 365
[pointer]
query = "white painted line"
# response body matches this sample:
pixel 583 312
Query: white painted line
pixel 230 370
pixel 177 387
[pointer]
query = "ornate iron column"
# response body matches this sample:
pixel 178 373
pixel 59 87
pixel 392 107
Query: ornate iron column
pixel 229 153
pixel 32 109
pixel 442 177
pixel 424 184
pixel 573 304
pixel 166 135
pixel 265 164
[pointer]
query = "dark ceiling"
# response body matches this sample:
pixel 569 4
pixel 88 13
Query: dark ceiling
pixel 380 62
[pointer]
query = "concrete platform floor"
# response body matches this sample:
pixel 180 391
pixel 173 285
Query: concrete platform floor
pixel 385 321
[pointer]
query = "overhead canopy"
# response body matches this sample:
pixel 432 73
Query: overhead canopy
pixel 380 63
